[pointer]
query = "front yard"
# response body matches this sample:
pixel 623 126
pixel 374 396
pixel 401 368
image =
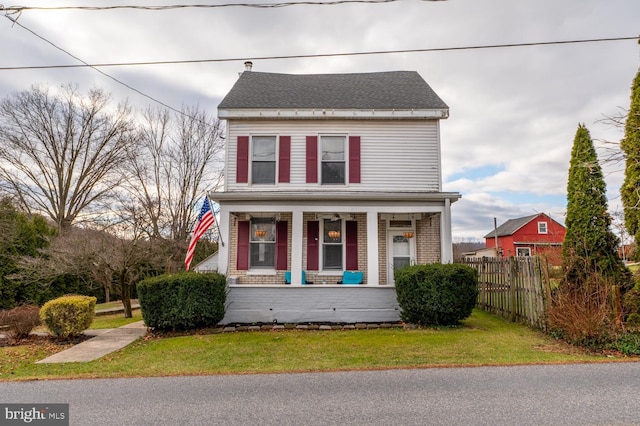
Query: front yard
pixel 483 339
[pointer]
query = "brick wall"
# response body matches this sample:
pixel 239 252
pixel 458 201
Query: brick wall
pixel 428 239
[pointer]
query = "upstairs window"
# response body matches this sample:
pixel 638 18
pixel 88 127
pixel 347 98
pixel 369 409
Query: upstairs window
pixel 263 160
pixel 262 243
pixel 333 166
pixel 542 228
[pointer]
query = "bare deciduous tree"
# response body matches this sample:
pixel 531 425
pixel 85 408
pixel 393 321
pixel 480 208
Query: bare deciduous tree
pixel 61 152
pixel 178 161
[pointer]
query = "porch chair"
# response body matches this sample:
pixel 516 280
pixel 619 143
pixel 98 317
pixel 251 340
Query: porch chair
pixel 351 278
pixel 287 278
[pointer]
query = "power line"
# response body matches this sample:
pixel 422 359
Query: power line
pixel 322 55
pixel 85 64
pixel 20 9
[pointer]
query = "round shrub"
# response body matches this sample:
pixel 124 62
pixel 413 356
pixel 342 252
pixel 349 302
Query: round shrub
pixel 436 294
pixel 18 322
pixel 68 316
pixel 182 301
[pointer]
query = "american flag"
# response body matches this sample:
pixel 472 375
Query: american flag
pixel 205 220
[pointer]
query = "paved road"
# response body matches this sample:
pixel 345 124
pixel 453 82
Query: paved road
pixel 597 394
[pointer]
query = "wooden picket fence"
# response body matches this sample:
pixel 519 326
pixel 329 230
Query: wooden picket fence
pixel 514 287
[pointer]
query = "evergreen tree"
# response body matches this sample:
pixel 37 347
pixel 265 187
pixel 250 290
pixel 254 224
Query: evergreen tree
pixel 590 247
pixel 20 235
pixel 630 190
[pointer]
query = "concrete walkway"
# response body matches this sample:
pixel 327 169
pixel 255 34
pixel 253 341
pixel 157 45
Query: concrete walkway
pixel 104 342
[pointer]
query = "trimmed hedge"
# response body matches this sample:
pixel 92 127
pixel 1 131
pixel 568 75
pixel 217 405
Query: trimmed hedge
pixel 182 301
pixel 68 316
pixel 436 294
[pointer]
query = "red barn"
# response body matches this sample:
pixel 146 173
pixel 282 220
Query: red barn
pixel 533 235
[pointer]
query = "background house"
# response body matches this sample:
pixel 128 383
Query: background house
pixel 533 235
pixel 327 173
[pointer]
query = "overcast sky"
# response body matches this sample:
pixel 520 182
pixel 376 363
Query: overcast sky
pixel 513 111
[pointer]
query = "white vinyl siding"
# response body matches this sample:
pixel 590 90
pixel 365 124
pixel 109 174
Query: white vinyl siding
pixel 401 155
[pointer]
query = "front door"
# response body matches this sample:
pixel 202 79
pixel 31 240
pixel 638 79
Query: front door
pixel 400 251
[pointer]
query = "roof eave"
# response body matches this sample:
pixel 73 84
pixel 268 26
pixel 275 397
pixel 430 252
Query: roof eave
pixel 333 196
pixel 327 113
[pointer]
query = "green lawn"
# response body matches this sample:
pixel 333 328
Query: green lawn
pixel 115 320
pixel 483 339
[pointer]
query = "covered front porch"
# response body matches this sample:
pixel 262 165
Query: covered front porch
pixel 267 234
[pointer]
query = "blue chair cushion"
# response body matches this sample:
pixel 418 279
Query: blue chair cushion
pixel 287 277
pixel 349 277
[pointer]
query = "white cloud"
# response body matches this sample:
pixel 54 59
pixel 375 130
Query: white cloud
pixel 514 111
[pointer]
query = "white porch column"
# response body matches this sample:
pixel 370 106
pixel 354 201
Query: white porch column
pixel 446 249
pixel 296 247
pixel 373 273
pixel 223 246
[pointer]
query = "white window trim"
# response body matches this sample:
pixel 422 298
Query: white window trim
pixel 253 270
pixel 250 171
pixel 330 272
pixel 546 228
pixel 528 249
pixel 346 158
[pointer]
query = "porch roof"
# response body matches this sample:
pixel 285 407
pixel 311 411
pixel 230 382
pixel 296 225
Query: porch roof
pixel 412 196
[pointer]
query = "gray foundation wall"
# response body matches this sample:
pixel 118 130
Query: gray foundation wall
pixel 303 304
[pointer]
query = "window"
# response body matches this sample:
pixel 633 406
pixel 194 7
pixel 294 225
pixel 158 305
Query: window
pixel 542 227
pixel 333 167
pixel 523 251
pixel 332 238
pixel 262 247
pixel 263 159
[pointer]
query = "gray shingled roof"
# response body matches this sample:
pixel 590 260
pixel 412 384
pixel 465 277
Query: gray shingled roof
pixel 378 90
pixel 511 226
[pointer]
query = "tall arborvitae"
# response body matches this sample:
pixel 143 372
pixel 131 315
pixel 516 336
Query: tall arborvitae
pixel 630 190
pixel 590 247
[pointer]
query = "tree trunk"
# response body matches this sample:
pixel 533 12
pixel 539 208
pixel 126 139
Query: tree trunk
pixel 107 295
pixel 125 291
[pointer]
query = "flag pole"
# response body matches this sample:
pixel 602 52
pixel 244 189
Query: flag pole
pixel 219 233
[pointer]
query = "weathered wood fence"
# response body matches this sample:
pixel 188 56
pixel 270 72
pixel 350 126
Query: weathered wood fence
pixel 515 287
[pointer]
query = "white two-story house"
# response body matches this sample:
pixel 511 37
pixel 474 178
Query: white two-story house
pixel 328 173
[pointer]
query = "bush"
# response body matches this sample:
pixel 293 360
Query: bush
pixel 18 322
pixel 68 316
pixel 436 294
pixel 182 301
pixel 583 315
pixel 633 320
pixel 632 301
pixel 627 343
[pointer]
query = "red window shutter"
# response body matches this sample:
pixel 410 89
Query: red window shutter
pixel 242 160
pixel 354 159
pixel 313 244
pixel 281 245
pixel 312 159
pixel 284 159
pixel 351 241
pixel 243 246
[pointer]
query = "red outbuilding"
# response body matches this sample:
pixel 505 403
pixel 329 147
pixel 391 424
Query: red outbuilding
pixel 533 235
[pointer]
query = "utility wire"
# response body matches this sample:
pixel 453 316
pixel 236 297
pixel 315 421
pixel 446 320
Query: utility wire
pixel 317 55
pixel 94 67
pixel 20 9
